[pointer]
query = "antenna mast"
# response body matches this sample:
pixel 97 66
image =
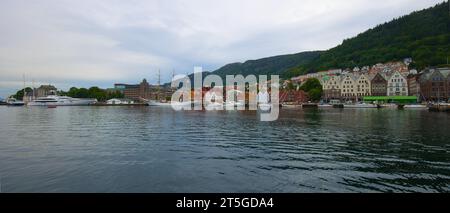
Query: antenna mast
pixel 23 77
pixel 159 77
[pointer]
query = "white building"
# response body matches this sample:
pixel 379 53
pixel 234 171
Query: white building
pixel 397 85
pixel 348 86
pixel 333 82
pixel 363 86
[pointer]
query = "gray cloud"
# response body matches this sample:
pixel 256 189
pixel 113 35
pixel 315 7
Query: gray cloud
pixel 83 43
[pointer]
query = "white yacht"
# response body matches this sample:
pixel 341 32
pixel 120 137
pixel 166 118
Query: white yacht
pixel 54 100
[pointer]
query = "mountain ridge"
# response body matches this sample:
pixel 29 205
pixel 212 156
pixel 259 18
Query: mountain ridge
pixel 422 35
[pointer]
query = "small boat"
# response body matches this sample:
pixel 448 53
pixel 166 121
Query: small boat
pixel 415 106
pixel 361 106
pixel 336 104
pixel 234 104
pixel 264 106
pixel 440 107
pixel 51 106
pixel 158 103
pixel 325 106
pixel 14 102
pixel 390 106
pixel 310 105
pixel 290 105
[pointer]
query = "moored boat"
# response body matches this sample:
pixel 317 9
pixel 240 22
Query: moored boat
pixel 360 105
pixel 233 104
pixel 440 107
pixel 325 105
pixel 264 106
pixel 336 104
pixel 158 103
pixel 415 106
pixel 391 106
pixel 310 105
pixel 54 100
pixel 290 105
pixel 14 102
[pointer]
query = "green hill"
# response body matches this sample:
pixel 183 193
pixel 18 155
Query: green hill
pixel 423 35
pixel 266 66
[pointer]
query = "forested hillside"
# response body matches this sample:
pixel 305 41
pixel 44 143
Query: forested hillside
pixel 423 35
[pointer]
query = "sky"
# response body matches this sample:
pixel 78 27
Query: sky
pixel 87 43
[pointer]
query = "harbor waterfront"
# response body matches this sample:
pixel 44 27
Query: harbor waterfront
pixel 157 149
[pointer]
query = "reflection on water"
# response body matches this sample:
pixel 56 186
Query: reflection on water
pixel 144 149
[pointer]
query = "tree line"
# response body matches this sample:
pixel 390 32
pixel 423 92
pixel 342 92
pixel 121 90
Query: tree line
pixel 74 92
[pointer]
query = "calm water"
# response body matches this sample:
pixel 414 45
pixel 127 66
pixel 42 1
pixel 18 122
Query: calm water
pixel 142 149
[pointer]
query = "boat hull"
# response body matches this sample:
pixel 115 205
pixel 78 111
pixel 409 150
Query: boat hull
pixel 79 102
pixel 159 104
pixel 415 107
pixel 361 106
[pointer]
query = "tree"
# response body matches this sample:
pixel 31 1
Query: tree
pixel 314 89
pixel 19 94
pixel 290 86
pixel 315 94
pixel 93 92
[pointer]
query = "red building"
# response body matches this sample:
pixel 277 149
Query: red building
pixel 293 96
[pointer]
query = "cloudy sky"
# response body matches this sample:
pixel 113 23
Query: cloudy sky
pixel 84 42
